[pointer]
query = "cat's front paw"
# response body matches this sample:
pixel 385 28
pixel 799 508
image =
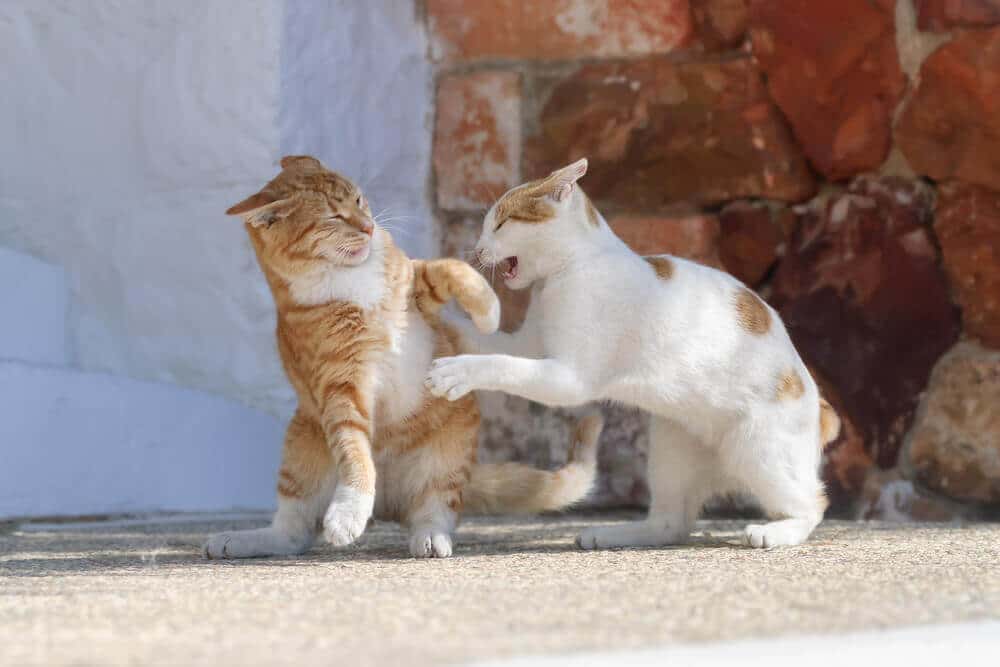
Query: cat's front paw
pixel 489 321
pixel 217 546
pixel 452 377
pixel 347 516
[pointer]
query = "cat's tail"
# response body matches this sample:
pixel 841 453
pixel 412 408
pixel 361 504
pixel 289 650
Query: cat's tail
pixel 516 488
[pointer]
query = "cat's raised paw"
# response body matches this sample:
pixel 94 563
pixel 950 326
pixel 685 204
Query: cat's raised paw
pixel 347 516
pixel 430 544
pixel 489 322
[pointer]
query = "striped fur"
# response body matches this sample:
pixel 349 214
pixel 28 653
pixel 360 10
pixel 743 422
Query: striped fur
pixel 357 329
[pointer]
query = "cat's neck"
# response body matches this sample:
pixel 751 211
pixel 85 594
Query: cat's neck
pixel 576 252
pixel 363 285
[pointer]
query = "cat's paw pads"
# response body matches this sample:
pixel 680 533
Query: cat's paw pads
pixel 217 546
pixel 768 536
pixel 347 517
pixel 430 544
pixel 449 377
pixel 489 322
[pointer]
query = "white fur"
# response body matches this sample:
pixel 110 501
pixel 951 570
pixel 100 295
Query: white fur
pixel 362 284
pixel 347 515
pixel 603 326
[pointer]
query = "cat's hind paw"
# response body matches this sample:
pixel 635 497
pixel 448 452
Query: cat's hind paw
pixel 430 543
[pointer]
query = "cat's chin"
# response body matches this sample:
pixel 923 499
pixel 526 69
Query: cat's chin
pixel 356 257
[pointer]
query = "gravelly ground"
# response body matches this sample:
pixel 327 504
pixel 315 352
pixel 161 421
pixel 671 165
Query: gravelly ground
pixel 142 594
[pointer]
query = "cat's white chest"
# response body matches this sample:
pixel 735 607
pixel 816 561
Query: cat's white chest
pixel 401 387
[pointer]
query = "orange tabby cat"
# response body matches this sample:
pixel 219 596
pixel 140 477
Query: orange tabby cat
pixel 357 331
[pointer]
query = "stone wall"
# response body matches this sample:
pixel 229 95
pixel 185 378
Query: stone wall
pixel 841 158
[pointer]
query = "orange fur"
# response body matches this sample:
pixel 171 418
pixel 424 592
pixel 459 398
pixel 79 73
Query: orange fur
pixel 829 423
pixel 662 265
pixel 301 224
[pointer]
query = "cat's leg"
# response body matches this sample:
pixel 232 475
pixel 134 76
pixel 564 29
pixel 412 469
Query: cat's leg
pixel 433 477
pixel 679 476
pixel 348 405
pixel 304 491
pixel 431 524
pixel 782 474
pixel 546 381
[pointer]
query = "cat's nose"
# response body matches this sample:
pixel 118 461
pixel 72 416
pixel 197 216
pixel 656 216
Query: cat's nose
pixel 366 227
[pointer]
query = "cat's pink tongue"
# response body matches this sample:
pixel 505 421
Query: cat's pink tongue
pixel 508 268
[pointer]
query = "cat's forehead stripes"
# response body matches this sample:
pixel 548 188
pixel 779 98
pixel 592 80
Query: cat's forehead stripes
pixel 662 265
pixel 526 203
pixel 790 386
pixel 751 313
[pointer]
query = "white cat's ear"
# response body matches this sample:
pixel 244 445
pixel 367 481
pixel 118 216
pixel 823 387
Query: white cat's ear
pixel 564 179
pixel 262 209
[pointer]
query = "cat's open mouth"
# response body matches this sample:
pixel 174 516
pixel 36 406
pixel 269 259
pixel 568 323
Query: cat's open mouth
pixel 508 268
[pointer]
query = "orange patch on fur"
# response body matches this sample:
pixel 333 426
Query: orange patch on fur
pixel 526 203
pixel 790 386
pixel 751 312
pixel 829 423
pixel 662 265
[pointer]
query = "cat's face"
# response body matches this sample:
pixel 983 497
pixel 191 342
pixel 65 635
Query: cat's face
pixel 309 213
pixel 525 231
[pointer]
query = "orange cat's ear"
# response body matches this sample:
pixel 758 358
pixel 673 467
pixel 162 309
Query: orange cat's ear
pixel 262 209
pixel 564 179
pixel 300 161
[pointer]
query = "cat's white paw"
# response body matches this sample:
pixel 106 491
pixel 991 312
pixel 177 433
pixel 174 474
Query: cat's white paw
pixel 347 516
pixel 430 543
pixel 217 546
pixel 770 535
pixel 451 377
pixel 489 322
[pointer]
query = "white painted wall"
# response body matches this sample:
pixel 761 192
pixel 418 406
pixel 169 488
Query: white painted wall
pixel 129 127
pixel 356 91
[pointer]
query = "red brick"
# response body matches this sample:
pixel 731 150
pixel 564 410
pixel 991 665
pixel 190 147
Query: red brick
pixel 555 29
pixel 967 222
pixel 833 70
pixel 753 238
pixel 866 303
pixel 942 15
pixel 950 128
pixel 477 138
pixel 693 237
pixel 658 132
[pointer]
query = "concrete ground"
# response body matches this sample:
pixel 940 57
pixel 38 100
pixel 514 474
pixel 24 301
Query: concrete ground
pixel 140 593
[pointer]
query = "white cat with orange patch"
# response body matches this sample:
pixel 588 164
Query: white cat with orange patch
pixel 734 408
